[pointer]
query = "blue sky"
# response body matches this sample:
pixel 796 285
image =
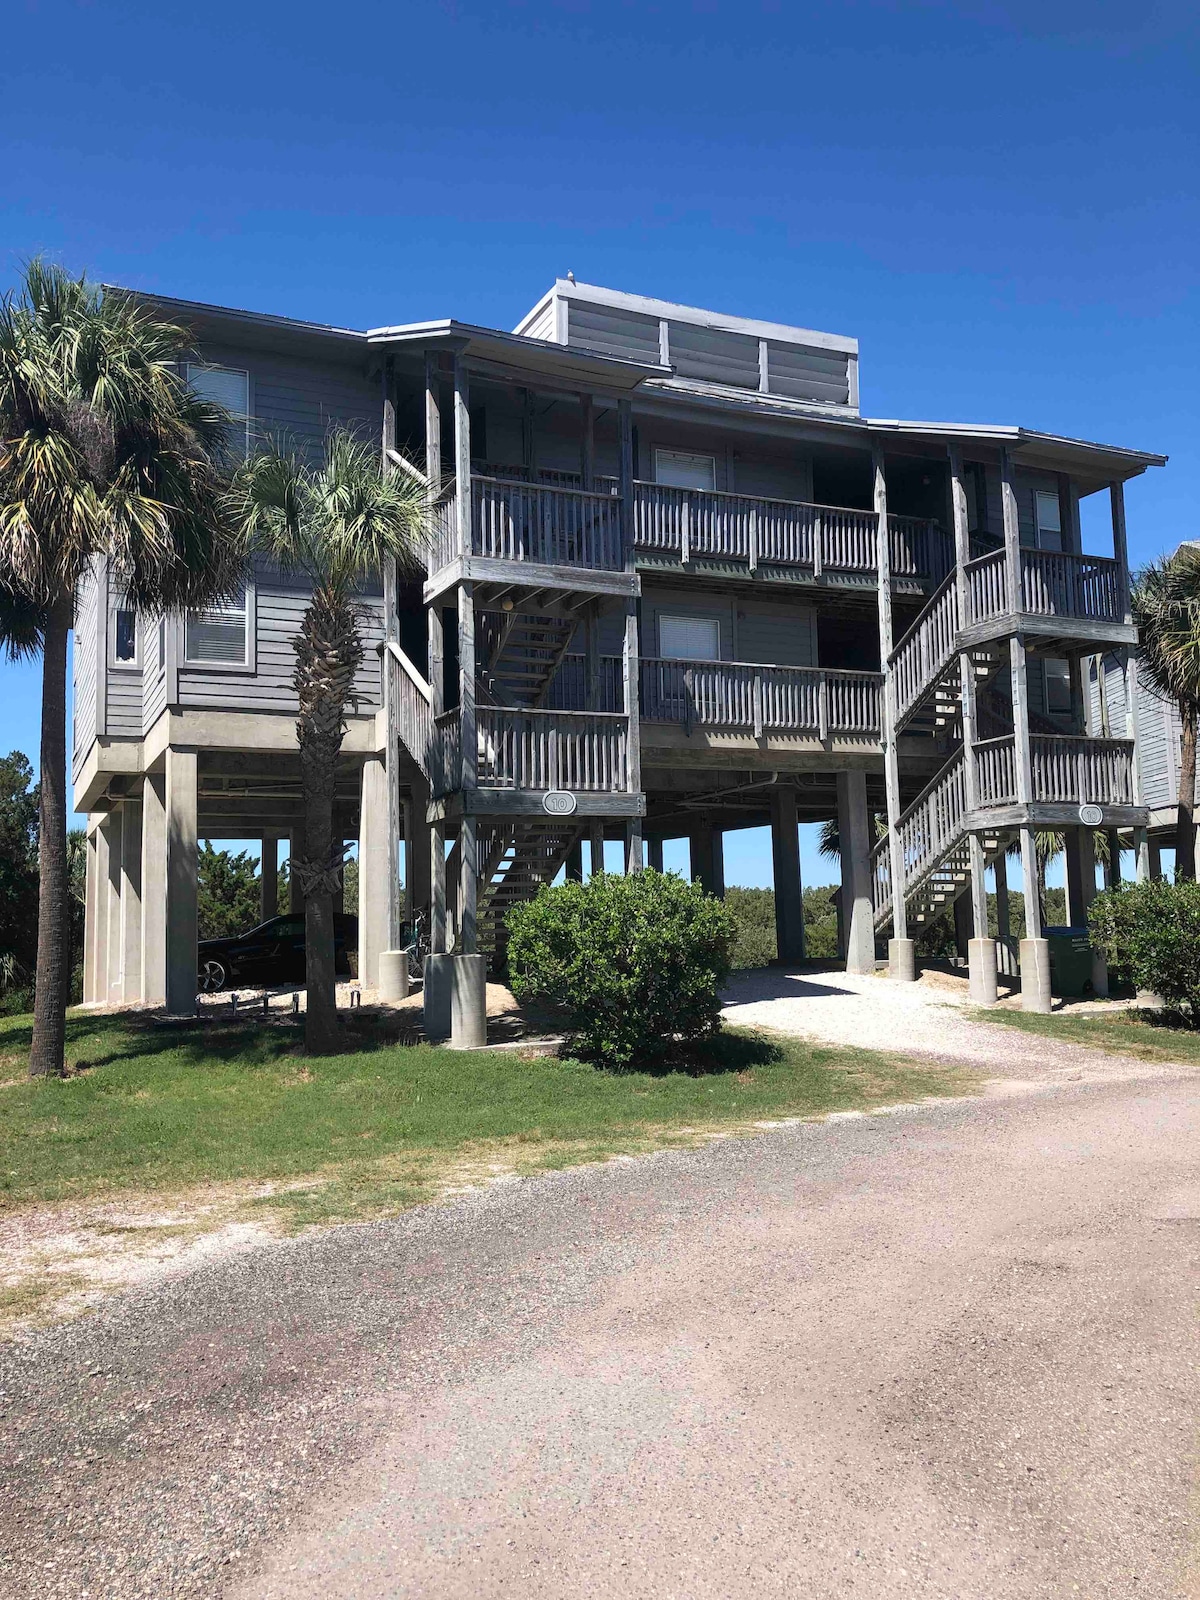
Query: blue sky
pixel 998 200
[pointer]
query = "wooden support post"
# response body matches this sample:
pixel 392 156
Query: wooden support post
pixel 433 424
pixel 591 657
pixel 901 951
pixel 633 845
pixel 596 847
pixel 1116 495
pixel 630 651
pixel 462 453
pixel 573 865
pixel 1012 535
pixel 587 447
pixel 654 851
pixel 1112 867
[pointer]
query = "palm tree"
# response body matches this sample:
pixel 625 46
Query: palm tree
pixel 337 524
pixel 104 453
pixel 1166 609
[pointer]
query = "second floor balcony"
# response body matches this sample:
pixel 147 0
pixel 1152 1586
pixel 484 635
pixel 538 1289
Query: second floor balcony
pixel 558 524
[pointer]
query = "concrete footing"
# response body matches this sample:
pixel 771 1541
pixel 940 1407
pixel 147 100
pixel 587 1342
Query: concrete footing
pixel 468 1002
pixel 393 975
pixel 437 996
pixel 902 960
pixel 1035 975
pixel 981 953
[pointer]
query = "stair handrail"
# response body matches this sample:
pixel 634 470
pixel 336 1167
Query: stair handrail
pixel 394 649
pixel 882 847
pixel 414 705
pixel 920 616
pixel 908 698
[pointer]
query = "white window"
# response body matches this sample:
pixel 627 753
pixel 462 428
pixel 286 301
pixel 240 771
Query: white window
pixel 683 471
pixel 219 635
pixel 1049 520
pixel 228 387
pixel 689 638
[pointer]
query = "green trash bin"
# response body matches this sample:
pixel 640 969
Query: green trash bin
pixel 1070 961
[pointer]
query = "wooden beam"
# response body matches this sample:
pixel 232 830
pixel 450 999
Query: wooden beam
pixel 433 423
pixel 587 449
pixel 891 762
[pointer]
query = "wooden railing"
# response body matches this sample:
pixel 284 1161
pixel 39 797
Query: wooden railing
pixel 690 523
pixel 555 527
pixel 1055 584
pixel 996 770
pixel 928 830
pixel 926 649
pixel 443 536
pixel 1079 771
pixel 1064 770
pixel 445 754
pixel 987 586
pixel 413 701
pixel 540 750
pixel 568 687
pixel 760 699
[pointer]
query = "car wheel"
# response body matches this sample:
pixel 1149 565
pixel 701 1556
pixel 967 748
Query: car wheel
pixel 213 976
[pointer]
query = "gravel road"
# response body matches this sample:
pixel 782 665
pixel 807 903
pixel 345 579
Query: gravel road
pixel 948 1351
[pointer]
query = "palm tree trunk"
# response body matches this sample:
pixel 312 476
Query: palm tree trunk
pixel 1185 828
pixel 328 652
pixel 52 982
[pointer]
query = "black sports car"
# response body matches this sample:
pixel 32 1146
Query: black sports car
pixel 270 953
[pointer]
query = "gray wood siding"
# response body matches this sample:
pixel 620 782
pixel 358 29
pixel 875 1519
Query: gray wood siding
pixel 299 401
pixel 713 356
pixel 154 677
pixel 124 720
pixel 279 605
pixel 85 646
pixel 1158 730
pixel 542 326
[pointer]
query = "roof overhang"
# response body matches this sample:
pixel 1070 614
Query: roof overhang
pixel 1105 463
pixel 512 354
pixel 254 329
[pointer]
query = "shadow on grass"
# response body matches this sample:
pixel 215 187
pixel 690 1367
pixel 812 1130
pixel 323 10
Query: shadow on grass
pixel 727 1053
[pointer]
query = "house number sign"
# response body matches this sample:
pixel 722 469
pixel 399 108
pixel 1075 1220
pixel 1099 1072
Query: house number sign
pixel 559 802
pixel 1091 816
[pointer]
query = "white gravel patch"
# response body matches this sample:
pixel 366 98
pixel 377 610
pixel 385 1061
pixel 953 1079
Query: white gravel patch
pixel 928 1020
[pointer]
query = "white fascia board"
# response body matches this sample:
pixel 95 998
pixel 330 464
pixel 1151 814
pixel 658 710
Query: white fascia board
pixel 593 294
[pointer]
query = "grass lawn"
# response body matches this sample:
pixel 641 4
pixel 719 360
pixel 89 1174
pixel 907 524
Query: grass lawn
pixel 1148 1035
pixel 154 1109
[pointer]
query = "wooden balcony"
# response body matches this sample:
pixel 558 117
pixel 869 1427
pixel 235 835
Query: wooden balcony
pixel 556 526
pixel 761 701
pixel 1054 587
pixel 1066 772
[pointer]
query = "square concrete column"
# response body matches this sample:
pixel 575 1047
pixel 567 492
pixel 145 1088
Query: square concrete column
pixel 373 857
pixel 854 832
pixel 1080 851
pixel 154 889
pixel 181 881
pixel 90 898
pixel 113 985
pixel 268 878
pixel 132 981
pixel 789 892
pixel 416 850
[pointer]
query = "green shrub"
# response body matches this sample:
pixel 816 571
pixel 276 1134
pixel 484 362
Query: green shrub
pixel 635 963
pixel 1150 934
pixel 753 914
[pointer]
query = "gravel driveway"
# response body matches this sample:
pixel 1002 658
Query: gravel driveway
pixel 948 1351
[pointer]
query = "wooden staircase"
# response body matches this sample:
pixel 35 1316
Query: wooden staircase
pixel 515 861
pixel 520 655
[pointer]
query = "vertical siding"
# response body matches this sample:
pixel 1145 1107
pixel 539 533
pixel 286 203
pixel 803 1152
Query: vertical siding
pixel 84 654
